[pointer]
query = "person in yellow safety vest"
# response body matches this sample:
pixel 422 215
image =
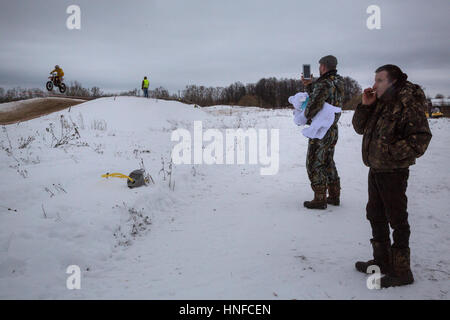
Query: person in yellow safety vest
pixel 59 74
pixel 145 85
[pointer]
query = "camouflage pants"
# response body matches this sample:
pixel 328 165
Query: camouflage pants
pixel 319 160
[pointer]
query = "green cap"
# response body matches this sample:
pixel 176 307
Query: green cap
pixel 329 61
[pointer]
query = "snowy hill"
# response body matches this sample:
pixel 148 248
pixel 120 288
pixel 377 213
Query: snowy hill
pixel 223 231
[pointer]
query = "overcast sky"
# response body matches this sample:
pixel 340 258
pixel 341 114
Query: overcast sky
pixel 215 43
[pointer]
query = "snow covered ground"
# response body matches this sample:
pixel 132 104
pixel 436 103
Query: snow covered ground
pixel 223 232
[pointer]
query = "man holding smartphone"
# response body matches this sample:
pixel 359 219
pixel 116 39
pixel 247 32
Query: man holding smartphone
pixel 320 164
pixel 395 132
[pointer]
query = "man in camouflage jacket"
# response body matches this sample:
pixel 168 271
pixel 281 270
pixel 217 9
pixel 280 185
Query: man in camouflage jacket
pixel 320 164
pixel 395 132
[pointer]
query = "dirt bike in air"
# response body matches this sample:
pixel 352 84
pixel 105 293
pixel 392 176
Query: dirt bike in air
pixel 55 81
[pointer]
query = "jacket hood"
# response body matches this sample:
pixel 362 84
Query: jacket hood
pixel 399 89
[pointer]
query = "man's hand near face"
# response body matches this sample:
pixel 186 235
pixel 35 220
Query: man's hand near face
pixel 369 96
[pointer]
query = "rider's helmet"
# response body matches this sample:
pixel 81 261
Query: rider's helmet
pixel 57 67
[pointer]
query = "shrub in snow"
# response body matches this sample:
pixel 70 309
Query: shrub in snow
pixel 134 224
pixel 69 134
pixel 23 155
pixel 100 125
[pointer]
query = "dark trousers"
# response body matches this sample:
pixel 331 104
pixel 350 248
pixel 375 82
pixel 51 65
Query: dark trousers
pixel 387 206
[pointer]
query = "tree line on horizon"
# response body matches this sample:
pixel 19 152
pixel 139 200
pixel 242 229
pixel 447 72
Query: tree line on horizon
pixel 266 93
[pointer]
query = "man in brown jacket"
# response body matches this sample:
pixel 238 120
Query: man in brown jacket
pixel 395 132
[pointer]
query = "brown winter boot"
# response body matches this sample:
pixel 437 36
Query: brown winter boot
pixel 381 258
pixel 320 198
pixel 334 193
pixel 401 272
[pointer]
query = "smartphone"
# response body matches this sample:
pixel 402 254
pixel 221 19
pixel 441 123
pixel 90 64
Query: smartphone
pixel 307 71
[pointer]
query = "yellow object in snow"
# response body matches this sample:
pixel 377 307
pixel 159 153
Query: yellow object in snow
pixel 117 175
pixel 434 114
